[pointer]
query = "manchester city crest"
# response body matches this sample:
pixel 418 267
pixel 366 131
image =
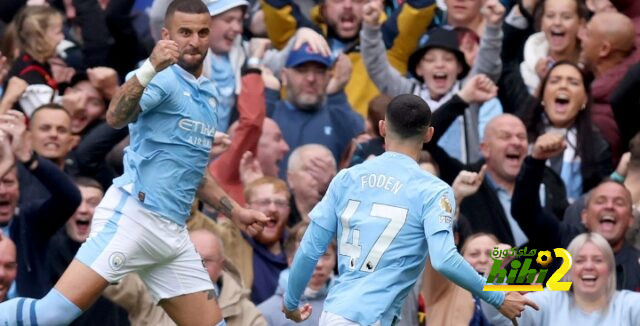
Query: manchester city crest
pixel 117 260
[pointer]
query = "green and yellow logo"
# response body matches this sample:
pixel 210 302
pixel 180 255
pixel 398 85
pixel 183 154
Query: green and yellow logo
pixel 520 277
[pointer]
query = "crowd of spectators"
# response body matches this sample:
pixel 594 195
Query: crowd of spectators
pixel 536 110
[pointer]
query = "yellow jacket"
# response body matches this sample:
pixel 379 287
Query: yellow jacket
pixel 403 31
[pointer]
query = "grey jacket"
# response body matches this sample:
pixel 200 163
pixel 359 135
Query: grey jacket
pixel 390 82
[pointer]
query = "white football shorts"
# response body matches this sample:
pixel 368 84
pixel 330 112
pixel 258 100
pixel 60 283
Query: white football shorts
pixel 126 237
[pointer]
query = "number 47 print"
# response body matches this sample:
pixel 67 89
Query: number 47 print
pixel 397 217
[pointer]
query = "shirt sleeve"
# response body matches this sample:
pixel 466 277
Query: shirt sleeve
pixel 313 245
pixel 447 261
pixel 154 93
pixel 439 212
pixel 152 96
pixel 445 258
pixel 324 213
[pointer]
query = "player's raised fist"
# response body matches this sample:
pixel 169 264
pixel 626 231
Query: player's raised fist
pixel 164 54
pixel 253 220
pixel 371 13
pixel 548 145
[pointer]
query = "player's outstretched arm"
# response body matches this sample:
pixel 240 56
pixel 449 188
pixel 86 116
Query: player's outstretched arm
pixel 313 245
pixel 247 219
pixel 125 105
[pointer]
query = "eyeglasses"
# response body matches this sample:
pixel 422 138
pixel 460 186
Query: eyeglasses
pixel 268 202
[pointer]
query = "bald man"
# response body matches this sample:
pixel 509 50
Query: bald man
pixel 608 51
pixel 8 265
pixel 237 309
pixel 310 168
pixel 503 148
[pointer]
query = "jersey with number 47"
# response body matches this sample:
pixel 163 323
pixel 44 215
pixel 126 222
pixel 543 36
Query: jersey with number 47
pixel 382 211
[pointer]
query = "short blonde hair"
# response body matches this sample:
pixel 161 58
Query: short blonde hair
pixel 279 186
pixel 603 245
pixel 31 26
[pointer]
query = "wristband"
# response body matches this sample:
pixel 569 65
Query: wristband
pixel 145 73
pixel 253 62
pixel 615 176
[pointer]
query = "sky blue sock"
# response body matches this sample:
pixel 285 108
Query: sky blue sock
pixel 53 309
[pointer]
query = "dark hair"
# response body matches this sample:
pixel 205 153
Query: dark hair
pixel 634 149
pixel 81 181
pixel 185 6
pixel 408 116
pixel 585 131
pixel 376 111
pixel 538 12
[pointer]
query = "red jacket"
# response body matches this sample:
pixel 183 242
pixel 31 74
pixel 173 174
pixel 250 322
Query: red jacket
pixel 601 114
pixel 251 111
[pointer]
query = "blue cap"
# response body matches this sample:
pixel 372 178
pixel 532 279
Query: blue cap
pixel 304 54
pixel 217 7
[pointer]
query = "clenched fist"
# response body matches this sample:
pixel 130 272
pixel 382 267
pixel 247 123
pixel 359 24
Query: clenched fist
pixel 478 89
pixel 371 13
pixel 164 54
pixel 548 145
pixel 493 11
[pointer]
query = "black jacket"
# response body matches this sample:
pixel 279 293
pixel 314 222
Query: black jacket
pixel 483 209
pixel 36 223
pixel 62 250
pixel 546 230
pixel 625 102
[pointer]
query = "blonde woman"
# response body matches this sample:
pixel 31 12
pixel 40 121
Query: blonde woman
pixel 31 82
pixel 593 298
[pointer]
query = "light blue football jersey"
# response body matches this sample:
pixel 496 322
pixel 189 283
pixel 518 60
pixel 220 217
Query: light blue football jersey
pixel 170 142
pixel 382 211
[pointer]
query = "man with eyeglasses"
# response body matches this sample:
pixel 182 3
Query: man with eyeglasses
pixel 259 258
pixel 270 196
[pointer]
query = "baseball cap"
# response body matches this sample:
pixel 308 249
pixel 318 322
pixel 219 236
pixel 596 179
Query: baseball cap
pixel 304 54
pixel 217 7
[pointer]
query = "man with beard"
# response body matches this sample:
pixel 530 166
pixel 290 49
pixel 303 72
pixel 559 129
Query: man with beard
pixel 140 224
pixel 608 212
pixel 309 114
pixel 340 21
pixel 259 258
